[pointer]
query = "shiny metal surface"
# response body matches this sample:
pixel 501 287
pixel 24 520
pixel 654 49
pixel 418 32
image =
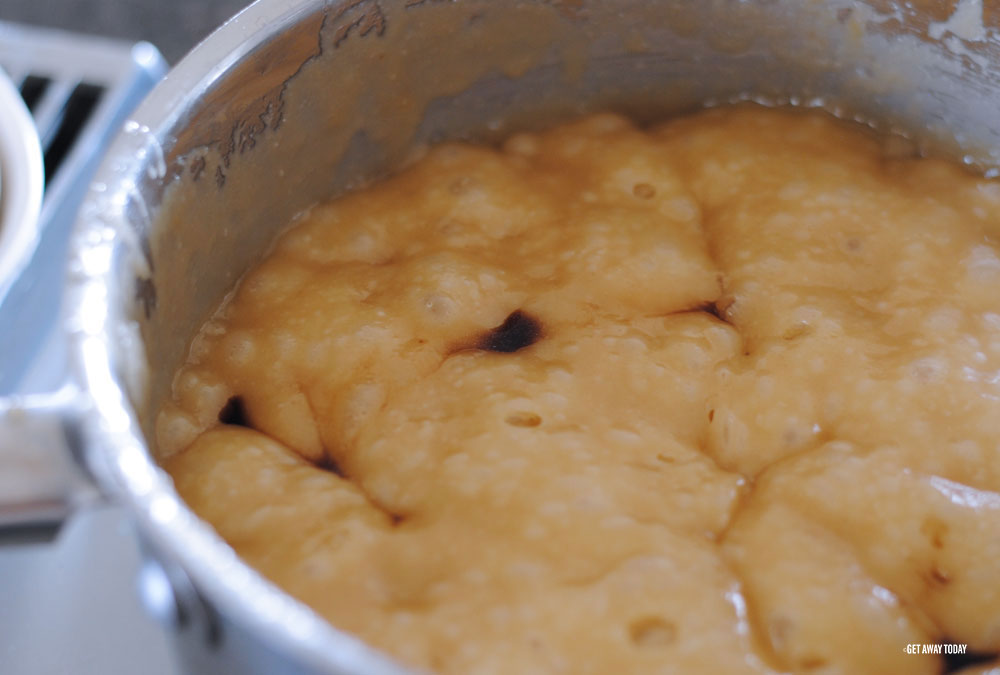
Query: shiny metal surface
pixel 294 100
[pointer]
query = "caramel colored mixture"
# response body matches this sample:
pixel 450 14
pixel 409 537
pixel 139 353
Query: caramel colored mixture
pixel 722 396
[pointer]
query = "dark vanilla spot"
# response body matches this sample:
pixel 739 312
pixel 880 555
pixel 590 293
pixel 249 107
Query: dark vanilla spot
pixel 652 631
pixel 519 330
pixel 953 663
pixel 643 191
pixel 812 662
pixel 935 530
pixel 938 577
pixel 522 418
pixel 235 413
pixel 796 331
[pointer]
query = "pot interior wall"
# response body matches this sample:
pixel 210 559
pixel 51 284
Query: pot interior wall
pixel 338 95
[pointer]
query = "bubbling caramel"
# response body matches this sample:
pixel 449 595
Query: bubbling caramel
pixel 722 396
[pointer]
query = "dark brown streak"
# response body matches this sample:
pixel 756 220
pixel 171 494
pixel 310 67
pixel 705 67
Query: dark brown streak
pixel 145 293
pixel 327 463
pixel 710 308
pixel 234 413
pixel 713 309
pixel 371 19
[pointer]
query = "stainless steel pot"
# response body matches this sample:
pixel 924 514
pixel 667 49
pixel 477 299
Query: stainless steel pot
pixel 295 100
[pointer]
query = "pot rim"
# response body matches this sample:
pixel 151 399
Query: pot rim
pixel 102 339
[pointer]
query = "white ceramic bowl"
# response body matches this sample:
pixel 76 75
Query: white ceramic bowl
pixel 21 183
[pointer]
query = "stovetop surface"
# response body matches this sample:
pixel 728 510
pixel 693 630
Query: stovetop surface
pixel 174 26
pixel 71 605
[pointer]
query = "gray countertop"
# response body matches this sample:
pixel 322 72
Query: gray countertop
pixel 174 26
